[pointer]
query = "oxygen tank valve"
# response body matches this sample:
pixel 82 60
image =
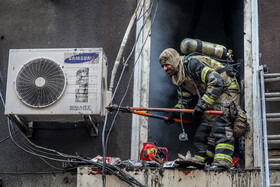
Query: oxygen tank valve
pixel 229 54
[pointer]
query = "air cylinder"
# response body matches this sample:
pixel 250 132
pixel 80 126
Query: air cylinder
pixel 189 45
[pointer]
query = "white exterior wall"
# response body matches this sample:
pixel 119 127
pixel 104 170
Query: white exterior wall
pixel 152 178
pixel 253 150
pixel 139 131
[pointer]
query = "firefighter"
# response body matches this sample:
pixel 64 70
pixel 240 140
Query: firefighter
pixel 217 89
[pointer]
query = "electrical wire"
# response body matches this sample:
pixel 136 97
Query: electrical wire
pixel 110 168
pixel 3 82
pixel 2 79
pixel 124 176
pixel 181 117
pixel 8 137
pixel 138 18
pixel 46 149
pixel 3 102
pixel 131 74
pixel 31 152
pixel 104 149
pixel 127 178
pixel 38 150
pixel 112 124
pixel 124 66
pixel 105 142
pixel 11 134
pixel 27 147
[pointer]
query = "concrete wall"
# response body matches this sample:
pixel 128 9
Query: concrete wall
pixel 165 177
pixel 35 180
pixel 63 24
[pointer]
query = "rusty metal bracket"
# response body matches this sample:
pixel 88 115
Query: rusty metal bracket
pixel 25 127
pixel 92 124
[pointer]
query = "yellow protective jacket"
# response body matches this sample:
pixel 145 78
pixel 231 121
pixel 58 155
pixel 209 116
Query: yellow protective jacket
pixel 211 78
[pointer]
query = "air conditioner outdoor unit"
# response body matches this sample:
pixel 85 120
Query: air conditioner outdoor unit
pixel 56 85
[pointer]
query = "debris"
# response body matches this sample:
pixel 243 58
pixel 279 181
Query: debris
pixel 170 164
pixel 188 161
pixel 129 163
pixel 216 168
pixel 109 160
pixel 187 157
pixel 152 163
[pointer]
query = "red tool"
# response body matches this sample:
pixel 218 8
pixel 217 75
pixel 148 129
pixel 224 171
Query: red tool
pixel 160 117
pixel 151 152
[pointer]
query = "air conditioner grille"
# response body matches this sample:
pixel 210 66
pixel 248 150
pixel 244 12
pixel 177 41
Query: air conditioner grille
pixel 40 83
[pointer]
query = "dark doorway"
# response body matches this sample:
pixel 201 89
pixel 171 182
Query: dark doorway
pixel 217 21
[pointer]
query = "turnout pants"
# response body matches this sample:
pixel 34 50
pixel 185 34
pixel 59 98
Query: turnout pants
pixel 214 140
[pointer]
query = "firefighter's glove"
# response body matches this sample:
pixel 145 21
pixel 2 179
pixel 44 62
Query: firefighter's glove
pixel 240 128
pixel 170 116
pixel 198 111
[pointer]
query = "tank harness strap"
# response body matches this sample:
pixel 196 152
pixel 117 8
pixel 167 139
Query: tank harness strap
pixel 228 69
pixel 186 60
pixel 235 108
pixel 199 45
pixel 187 70
pixel 222 70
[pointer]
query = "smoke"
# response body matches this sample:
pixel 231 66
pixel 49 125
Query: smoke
pixel 162 92
pixel 176 20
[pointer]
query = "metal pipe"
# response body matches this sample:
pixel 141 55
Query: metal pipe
pixel 273 119
pixel 275 165
pixel 270 75
pixel 273 115
pixel 275 185
pixel 273 99
pixel 273 137
pixel 264 128
pixel 117 61
pixel 274 160
pixel 275 94
pixel 160 117
pixel 255 96
pixel 273 142
pixel 214 112
pixel 272 80
pixel 259 133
